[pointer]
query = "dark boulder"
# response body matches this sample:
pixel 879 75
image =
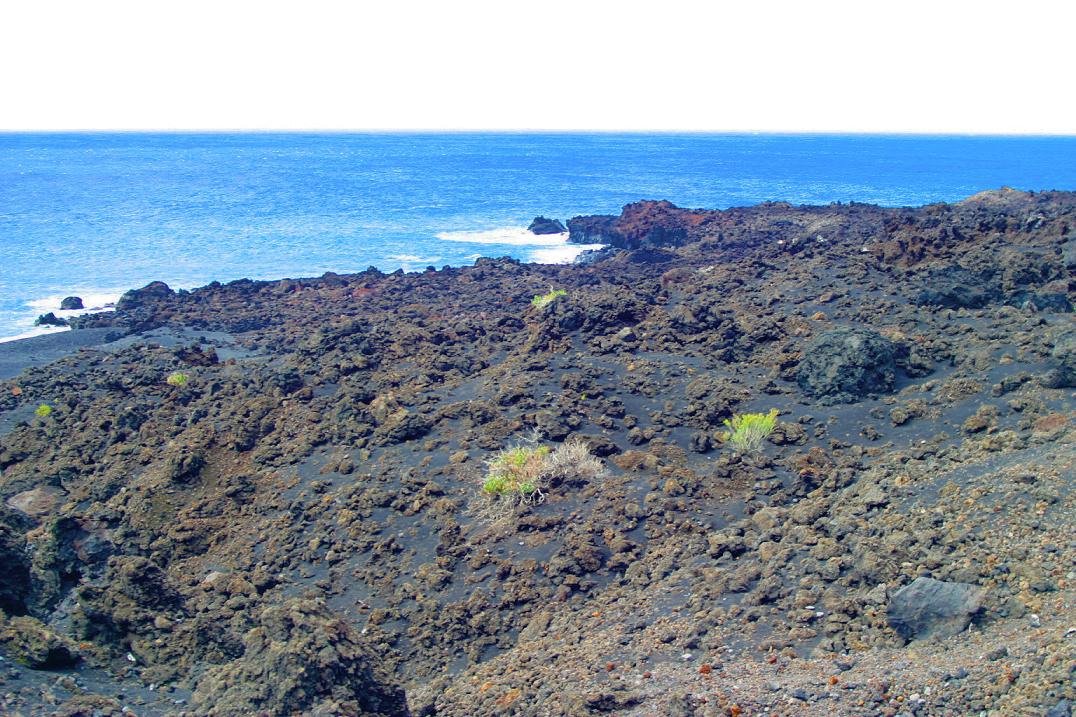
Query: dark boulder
pixel 1068 255
pixel 1063 373
pixel 542 225
pixel 15 586
pixel 72 303
pixel 846 364
pixel 957 288
pixel 1039 301
pixel 148 294
pixel 49 319
pixel 300 658
pixel 932 608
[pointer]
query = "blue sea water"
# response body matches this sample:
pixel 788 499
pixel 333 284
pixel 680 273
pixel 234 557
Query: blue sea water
pixel 96 214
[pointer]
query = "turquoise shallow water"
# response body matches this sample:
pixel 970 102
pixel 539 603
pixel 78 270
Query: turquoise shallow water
pixel 95 214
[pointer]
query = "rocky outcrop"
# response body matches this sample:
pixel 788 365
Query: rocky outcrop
pixel 151 292
pixel 49 319
pixel 847 364
pixel 641 224
pixel 542 225
pixel 31 643
pixel 72 303
pixel 300 658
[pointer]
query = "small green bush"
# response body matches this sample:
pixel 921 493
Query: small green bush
pixel 515 472
pixel 543 300
pixel 178 379
pixel 747 431
pixel 43 411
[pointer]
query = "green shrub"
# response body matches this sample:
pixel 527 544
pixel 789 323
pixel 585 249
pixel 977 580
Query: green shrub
pixel 515 473
pixel 178 379
pixel 543 300
pixel 43 411
pixel 747 431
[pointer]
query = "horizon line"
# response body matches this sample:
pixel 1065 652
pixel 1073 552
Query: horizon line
pixel 530 130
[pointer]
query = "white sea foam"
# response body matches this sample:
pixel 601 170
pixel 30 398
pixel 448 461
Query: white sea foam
pixel 94 301
pixel 516 236
pixel 549 248
pixel 36 331
pixel 565 254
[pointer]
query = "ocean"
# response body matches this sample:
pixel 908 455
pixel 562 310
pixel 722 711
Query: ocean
pixel 96 214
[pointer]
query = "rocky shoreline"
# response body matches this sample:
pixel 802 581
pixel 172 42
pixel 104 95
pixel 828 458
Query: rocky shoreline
pixel 265 497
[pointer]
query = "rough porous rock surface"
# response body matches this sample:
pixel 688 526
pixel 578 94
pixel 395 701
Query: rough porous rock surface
pixel 71 303
pixel 1063 372
pixel 49 319
pixel 15 586
pixel 299 658
pixel 929 608
pixel 308 498
pixel 846 364
pixel 543 225
pixel 31 643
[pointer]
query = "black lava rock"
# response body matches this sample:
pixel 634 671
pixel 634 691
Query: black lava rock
pixel 49 319
pixel 846 364
pixel 72 303
pixel 152 291
pixel 958 288
pixel 542 225
pixel 1038 301
pixel 15 587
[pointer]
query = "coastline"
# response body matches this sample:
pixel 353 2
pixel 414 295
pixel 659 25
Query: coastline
pixel 308 457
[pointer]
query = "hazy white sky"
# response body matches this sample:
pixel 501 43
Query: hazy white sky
pixel 828 65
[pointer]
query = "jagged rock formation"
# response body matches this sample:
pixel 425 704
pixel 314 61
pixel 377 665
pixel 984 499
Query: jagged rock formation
pixel 542 225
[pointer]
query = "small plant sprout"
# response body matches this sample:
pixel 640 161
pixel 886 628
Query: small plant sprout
pixel 178 379
pixel 747 431
pixel 541 301
pixel 43 411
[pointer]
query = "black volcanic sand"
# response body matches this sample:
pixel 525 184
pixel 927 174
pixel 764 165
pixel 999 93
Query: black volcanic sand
pixel 294 530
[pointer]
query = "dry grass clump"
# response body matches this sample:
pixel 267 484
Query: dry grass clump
pixel 520 475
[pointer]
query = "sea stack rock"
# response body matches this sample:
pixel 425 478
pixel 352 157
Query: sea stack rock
pixel 542 225
pixel 72 303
